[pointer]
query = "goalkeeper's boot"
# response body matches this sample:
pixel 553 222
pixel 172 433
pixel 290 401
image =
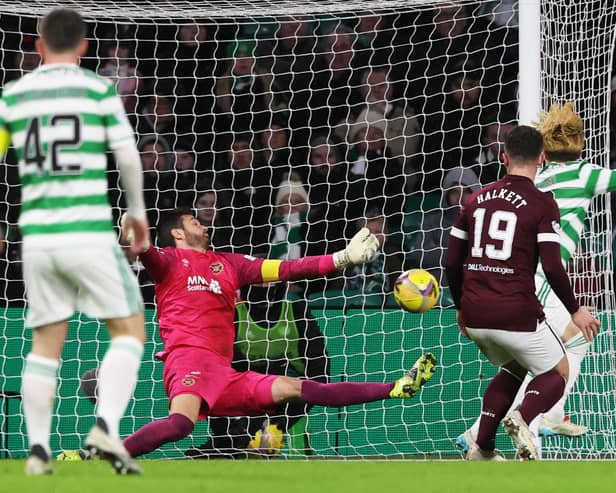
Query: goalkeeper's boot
pixel 422 371
pixel 38 462
pixel 74 455
pixel 566 428
pixel 100 443
pixel 465 441
pixel 518 430
pixel 268 441
pixel 475 453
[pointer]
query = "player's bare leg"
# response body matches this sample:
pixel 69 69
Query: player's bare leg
pixel 183 414
pixel 38 391
pixel 117 378
pixel 542 393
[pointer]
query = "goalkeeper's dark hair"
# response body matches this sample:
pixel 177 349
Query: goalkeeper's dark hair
pixel 524 143
pixel 62 30
pixel 168 221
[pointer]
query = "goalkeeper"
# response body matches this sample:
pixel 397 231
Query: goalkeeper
pixel 196 294
pixel 275 336
pixel 574 182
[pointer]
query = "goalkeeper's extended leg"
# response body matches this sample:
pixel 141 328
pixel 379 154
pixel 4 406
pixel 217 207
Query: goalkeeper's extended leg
pixel 408 385
pixel 348 393
pixel 183 413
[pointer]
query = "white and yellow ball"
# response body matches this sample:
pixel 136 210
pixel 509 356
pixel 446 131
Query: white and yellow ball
pixel 416 291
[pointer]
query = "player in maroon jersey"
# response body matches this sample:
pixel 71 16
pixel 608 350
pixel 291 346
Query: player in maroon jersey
pixel 493 252
pixel 196 293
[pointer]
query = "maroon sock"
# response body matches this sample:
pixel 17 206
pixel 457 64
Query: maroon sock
pixel 542 393
pixel 154 434
pixel 496 402
pixel 344 393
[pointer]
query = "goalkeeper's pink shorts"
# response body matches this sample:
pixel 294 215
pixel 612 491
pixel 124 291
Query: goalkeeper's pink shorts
pixel 225 392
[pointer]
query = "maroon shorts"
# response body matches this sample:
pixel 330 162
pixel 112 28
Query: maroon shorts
pixel 225 392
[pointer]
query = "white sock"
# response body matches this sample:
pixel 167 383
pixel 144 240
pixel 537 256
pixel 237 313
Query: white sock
pixel 576 350
pixel 534 429
pixel 38 393
pixel 475 428
pixel 117 378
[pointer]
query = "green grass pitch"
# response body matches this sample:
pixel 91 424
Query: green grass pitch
pixel 320 476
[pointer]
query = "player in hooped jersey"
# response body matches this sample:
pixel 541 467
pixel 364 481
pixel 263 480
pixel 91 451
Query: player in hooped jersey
pixel 574 182
pixel 492 258
pixel 62 120
pixel 196 294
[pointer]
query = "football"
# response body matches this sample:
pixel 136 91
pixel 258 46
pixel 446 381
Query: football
pixel 416 291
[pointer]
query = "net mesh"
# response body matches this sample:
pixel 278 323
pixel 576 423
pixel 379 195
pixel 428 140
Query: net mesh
pixel 287 126
pixel 577 54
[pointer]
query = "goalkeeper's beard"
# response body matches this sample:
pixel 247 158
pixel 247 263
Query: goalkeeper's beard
pixel 197 241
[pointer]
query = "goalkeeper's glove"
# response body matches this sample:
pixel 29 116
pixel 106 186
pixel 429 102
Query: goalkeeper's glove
pixel 128 233
pixel 361 249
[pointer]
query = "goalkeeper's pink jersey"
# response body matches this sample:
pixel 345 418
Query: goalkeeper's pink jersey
pixel 196 291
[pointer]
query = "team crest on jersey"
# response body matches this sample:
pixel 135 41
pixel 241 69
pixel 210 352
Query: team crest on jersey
pixel 188 381
pixel 216 268
pixel 556 227
pixel 185 262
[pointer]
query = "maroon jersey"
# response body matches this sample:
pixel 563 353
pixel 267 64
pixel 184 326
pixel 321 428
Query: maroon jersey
pixel 493 252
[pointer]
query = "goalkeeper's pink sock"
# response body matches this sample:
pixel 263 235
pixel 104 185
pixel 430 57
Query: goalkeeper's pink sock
pixel 156 433
pixel 496 402
pixel 541 394
pixel 344 393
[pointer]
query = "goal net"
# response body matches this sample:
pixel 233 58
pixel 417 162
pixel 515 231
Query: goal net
pixel 287 126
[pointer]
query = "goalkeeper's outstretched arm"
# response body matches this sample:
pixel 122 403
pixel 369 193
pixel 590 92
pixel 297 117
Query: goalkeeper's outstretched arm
pixel 361 249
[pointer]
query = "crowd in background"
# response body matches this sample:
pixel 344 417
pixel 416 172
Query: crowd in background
pixel 287 135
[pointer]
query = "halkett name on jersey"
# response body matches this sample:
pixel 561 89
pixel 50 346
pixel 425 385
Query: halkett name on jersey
pixel 504 194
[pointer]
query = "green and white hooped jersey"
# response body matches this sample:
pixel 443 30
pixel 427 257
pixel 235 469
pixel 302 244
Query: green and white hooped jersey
pixel 574 184
pixel 62 119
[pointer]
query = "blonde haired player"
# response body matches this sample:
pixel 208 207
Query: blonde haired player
pixel 574 182
pixel 61 120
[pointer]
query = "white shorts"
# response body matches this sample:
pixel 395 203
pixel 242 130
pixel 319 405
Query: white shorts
pixel 537 351
pixel 95 280
pixel 555 312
